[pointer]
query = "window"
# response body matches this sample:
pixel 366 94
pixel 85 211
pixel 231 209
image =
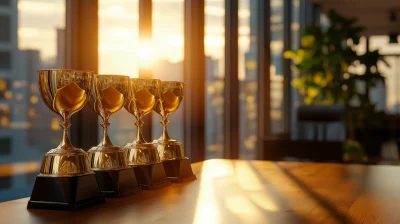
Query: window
pixel 324 21
pixel 248 97
pixel 118 54
pixel 121 53
pixel 28 128
pixel 387 97
pixel 5 143
pixel 5 2
pixel 214 41
pixel 295 44
pixel 276 73
pixel 4 28
pixel 168 45
pixel 5 60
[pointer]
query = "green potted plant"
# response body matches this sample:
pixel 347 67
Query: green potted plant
pixel 323 60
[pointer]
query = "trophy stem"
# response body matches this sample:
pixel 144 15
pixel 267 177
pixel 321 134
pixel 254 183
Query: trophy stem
pixel 139 135
pixel 65 143
pixel 164 136
pixel 106 139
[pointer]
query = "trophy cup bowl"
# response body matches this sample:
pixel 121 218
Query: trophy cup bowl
pixel 108 161
pixel 168 100
pixel 65 171
pixel 144 156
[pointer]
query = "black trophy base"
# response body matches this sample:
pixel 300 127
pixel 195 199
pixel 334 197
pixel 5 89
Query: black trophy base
pixel 151 177
pixel 117 183
pixel 65 193
pixel 179 170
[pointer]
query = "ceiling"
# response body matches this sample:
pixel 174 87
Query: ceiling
pixel 372 14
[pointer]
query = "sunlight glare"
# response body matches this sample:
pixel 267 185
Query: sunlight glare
pixel 145 54
pixel 206 208
pixel 264 201
pixel 243 208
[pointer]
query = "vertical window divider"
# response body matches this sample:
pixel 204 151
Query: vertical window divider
pixel 145 35
pixel 263 73
pixel 306 13
pixel 231 88
pixel 287 74
pixel 82 53
pixel 194 78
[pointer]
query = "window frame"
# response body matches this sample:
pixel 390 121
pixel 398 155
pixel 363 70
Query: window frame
pixel 194 69
pixel 82 53
pixel 231 78
pixel 194 77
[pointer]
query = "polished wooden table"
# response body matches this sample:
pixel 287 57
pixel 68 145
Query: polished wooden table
pixel 234 191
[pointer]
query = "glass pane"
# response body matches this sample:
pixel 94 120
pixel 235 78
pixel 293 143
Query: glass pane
pixel 5 25
pixel 276 76
pixel 387 97
pixel 214 44
pixel 31 38
pixel 168 45
pixel 295 38
pixel 382 44
pixel 118 54
pixel 5 3
pixel 248 78
pixel 324 21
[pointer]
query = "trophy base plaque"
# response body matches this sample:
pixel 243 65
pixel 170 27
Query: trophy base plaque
pixel 151 176
pixel 117 183
pixel 65 193
pixel 179 170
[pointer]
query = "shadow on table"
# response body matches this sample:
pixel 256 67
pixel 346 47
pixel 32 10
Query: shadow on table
pixel 319 199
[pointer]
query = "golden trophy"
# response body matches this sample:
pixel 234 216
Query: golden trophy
pixel 176 165
pixel 66 181
pixel 108 161
pixel 143 156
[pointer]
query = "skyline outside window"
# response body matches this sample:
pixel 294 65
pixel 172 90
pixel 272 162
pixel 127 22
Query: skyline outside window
pixel 33 39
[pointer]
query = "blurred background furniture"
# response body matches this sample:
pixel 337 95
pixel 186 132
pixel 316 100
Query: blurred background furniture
pixel 312 143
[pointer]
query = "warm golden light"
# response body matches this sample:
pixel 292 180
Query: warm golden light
pixel 3 85
pixel 9 169
pixel 31 112
pixel 246 197
pixel 5 121
pixel 145 54
pixel 206 208
pixel 8 95
pixel 55 124
pixel 34 99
